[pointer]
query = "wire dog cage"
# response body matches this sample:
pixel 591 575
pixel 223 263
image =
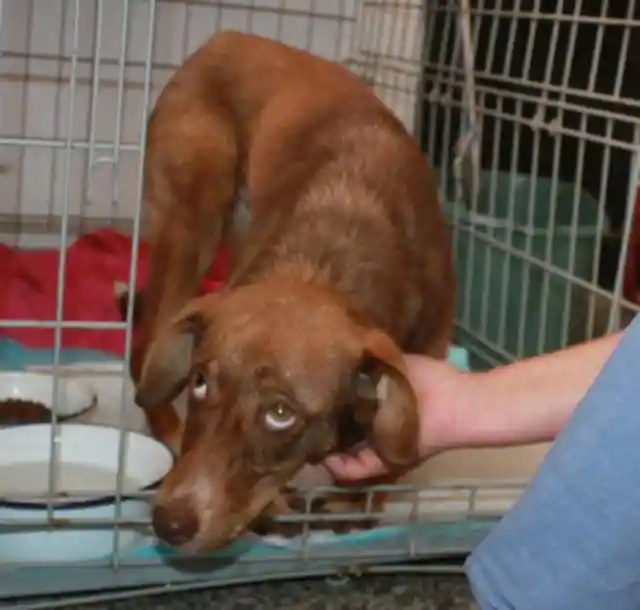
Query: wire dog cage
pixel 526 110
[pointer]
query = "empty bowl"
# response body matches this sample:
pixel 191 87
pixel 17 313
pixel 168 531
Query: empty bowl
pixel 85 484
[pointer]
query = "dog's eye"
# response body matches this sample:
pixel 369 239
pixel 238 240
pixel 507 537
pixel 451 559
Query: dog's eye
pixel 199 388
pixel 279 417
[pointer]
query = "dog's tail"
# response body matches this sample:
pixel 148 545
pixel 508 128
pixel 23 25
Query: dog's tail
pixel 121 294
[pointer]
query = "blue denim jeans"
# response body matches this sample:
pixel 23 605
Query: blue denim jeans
pixel 572 541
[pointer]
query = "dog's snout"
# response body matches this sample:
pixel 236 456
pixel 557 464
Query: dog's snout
pixel 175 524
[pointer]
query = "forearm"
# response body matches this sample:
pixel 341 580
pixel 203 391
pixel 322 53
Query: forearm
pixel 531 400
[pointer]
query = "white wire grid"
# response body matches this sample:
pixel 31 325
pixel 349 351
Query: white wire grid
pixel 555 103
pixel 77 79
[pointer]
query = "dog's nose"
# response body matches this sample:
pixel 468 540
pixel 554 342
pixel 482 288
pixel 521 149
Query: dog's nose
pixel 175 525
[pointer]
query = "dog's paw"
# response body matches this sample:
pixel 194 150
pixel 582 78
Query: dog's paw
pixel 345 517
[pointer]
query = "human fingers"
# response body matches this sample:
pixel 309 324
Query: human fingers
pixel 363 465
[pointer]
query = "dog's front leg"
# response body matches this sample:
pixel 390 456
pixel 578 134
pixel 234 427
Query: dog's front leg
pixel 173 280
pixel 349 512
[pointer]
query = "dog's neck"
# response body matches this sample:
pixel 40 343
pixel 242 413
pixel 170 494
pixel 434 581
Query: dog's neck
pixel 343 253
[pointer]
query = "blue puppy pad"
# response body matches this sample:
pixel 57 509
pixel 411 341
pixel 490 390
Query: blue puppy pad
pixel 14 356
pixel 391 543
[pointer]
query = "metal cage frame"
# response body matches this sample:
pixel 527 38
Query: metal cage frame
pixel 424 60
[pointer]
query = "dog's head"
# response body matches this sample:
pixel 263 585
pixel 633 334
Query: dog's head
pixel 277 376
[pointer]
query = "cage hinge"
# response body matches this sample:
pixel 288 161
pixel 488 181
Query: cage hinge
pixel 552 127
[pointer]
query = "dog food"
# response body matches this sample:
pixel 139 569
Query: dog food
pixel 15 412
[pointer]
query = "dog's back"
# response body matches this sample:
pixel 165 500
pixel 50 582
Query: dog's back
pixel 354 206
pixel 241 74
pixel 337 187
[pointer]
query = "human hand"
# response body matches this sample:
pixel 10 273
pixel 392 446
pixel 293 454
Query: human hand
pixel 440 388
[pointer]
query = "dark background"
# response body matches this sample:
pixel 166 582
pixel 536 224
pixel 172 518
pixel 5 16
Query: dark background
pixel 585 54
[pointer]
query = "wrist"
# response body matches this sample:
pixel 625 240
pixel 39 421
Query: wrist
pixel 448 404
pixel 461 408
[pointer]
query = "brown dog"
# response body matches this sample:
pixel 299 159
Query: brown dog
pixel 344 265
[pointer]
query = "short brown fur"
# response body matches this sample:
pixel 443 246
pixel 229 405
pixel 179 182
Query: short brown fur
pixel 344 265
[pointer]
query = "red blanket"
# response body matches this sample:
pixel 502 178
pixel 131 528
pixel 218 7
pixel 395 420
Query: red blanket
pixel 94 263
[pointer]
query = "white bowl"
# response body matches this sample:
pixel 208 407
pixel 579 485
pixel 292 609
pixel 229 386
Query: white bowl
pixel 87 463
pixel 73 397
pixel 110 383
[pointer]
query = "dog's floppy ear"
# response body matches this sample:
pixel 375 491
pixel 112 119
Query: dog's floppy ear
pixel 384 391
pixel 168 361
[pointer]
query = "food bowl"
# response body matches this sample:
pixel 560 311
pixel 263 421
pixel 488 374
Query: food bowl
pixel 86 464
pixel 110 383
pixel 73 397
